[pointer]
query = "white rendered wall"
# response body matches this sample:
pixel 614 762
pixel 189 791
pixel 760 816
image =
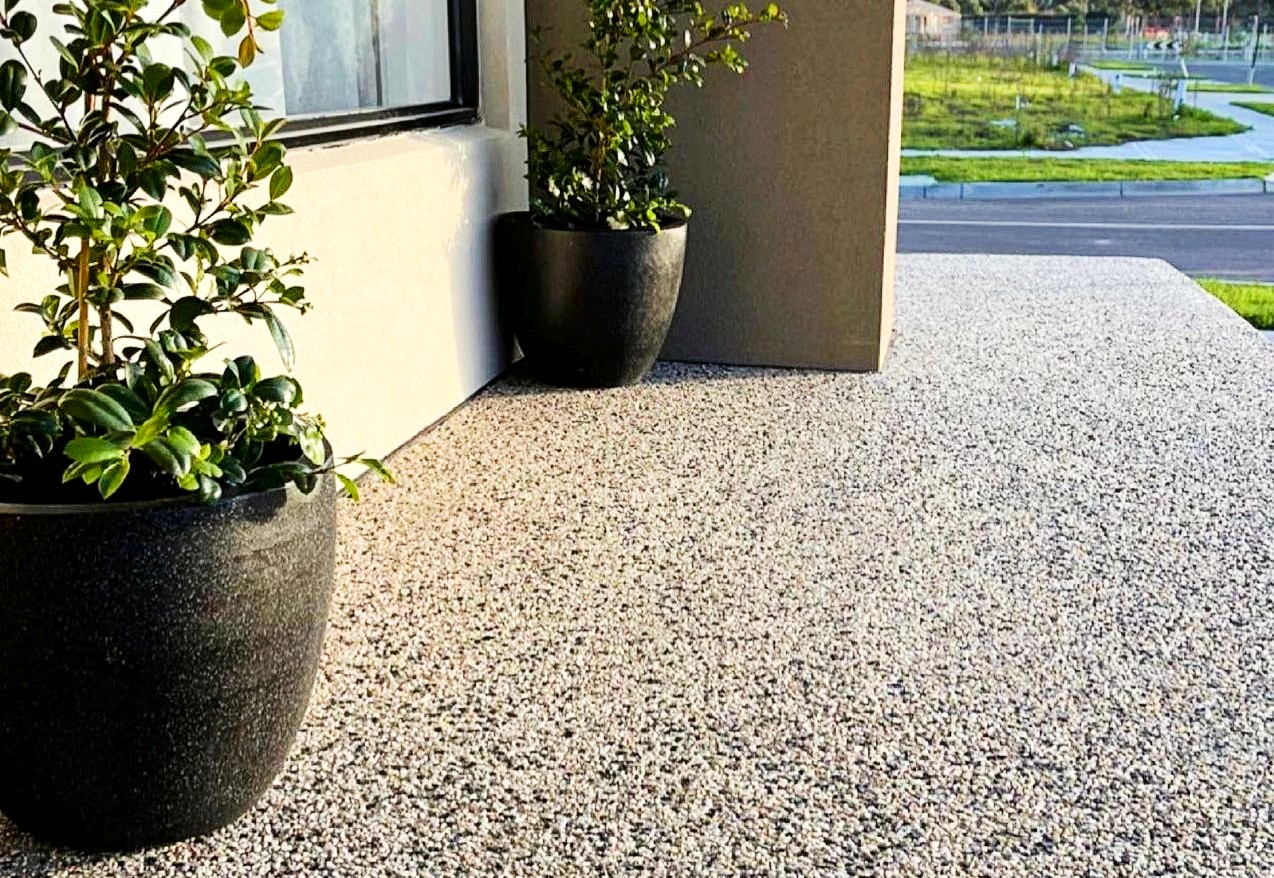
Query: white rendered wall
pixel 404 322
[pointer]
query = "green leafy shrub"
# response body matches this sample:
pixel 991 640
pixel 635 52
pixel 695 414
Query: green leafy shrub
pixel 145 185
pixel 600 162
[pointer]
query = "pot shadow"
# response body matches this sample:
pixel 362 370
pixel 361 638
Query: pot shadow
pixel 25 856
pixel 520 380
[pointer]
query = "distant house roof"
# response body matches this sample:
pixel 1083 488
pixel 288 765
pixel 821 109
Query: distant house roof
pixel 924 7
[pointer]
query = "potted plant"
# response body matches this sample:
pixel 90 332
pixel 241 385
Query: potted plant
pixel 166 527
pixel 592 273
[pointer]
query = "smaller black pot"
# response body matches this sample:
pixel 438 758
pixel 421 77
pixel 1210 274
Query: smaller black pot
pixel 589 308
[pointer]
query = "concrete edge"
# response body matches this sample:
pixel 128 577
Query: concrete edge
pixel 1044 189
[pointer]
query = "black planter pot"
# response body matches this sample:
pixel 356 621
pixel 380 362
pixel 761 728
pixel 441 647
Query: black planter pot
pixel 156 661
pixel 590 309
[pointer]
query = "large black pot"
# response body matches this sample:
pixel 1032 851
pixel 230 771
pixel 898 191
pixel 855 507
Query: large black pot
pixel 589 308
pixel 156 660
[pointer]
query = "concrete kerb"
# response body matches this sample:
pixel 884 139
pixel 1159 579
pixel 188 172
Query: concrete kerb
pixel 918 191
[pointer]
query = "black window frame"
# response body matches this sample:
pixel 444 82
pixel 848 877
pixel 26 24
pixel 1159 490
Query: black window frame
pixel 460 109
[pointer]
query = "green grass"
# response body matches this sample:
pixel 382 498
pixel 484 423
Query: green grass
pixel 1230 88
pixel 1031 170
pixel 1197 83
pixel 1253 302
pixel 1267 109
pixel 1201 83
pixel 954 102
pixel 1121 65
pixel 1159 74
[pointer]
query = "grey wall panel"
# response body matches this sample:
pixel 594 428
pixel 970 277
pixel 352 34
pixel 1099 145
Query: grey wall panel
pixel 792 171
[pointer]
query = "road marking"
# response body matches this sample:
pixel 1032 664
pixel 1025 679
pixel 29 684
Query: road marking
pixel 1147 227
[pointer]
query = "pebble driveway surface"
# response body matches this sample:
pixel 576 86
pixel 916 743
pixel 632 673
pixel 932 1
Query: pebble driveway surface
pixel 1004 610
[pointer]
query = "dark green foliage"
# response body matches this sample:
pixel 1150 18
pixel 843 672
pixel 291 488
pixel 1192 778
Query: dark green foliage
pixel 146 182
pixel 600 163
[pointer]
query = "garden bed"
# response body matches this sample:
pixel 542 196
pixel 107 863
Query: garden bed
pixel 977 102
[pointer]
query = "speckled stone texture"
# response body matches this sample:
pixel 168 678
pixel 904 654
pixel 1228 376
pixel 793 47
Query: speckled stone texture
pixel 1005 610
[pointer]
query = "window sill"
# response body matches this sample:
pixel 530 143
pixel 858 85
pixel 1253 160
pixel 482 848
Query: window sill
pixel 341 132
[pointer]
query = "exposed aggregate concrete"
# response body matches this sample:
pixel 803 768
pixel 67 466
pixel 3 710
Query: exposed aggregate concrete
pixel 1005 610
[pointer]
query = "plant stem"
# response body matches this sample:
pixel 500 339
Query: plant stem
pixel 105 318
pixel 81 293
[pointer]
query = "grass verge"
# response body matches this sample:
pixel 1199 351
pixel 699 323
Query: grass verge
pixel 1158 74
pixel 1267 109
pixel 1229 88
pixel 948 169
pixel 982 102
pixel 1121 65
pixel 1253 302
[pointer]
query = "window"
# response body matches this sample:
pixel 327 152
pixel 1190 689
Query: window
pixel 340 68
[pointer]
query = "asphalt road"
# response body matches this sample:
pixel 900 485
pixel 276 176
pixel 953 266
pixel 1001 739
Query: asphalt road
pixel 1231 237
pixel 1229 71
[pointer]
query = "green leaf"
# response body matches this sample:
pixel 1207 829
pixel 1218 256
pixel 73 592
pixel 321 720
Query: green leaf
pixel 268 157
pixel 281 390
pixel 166 458
pixel 113 478
pixel 378 467
pixel 150 430
pixel 13 84
pixel 209 490
pixel 140 291
pixel 313 445
pixel 270 20
pixel 232 20
pixel 282 340
pixel 203 47
pixel 87 472
pixel 184 393
pixel 230 232
pixel 233 471
pixel 204 166
pixel 153 182
pixel 96 409
pixel 50 344
pixel 155 220
pixel 91 449
pixel 183 441
pixel 23 25
pixel 158 271
pixel 280 183
pixel 217 8
pixel 132 403
pixel 159 359
pixel 243 371
pixel 350 486
pixel 186 311
pixel 90 201
pixel 70 59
